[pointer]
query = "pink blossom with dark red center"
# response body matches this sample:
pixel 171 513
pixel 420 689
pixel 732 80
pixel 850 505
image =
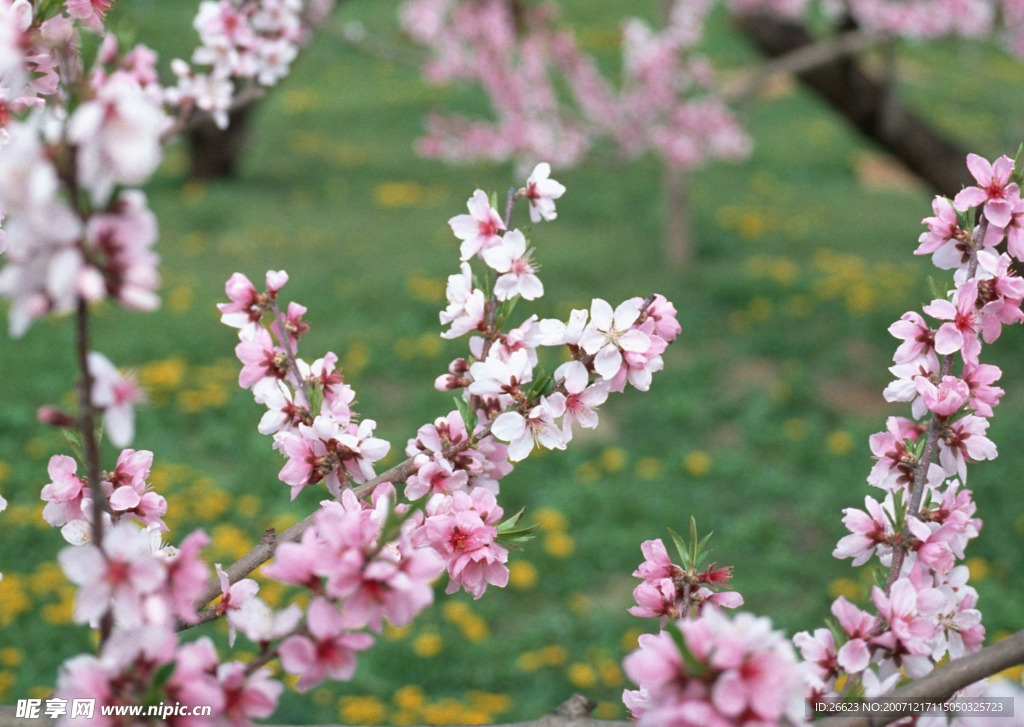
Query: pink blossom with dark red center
pixel 918 339
pixel 738 671
pixel 461 528
pixel 895 466
pixel 944 239
pixel 541 191
pixel 909 612
pixel 261 359
pixel 994 190
pixel 960 332
pixel 964 440
pixel 247 695
pixel 479 229
pixel 946 398
pixel 868 531
pixel 327 650
pixel 656 599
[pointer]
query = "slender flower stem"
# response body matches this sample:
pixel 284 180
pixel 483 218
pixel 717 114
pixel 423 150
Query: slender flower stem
pixel 87 419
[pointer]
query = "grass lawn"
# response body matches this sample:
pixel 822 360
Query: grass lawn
pixel 757 427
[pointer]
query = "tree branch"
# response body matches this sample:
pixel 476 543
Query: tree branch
pixel 864 102
pixel 941 683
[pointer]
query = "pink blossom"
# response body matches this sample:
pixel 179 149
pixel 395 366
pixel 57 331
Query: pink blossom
pixel 187 576
pixel 65 493
pixel 247 695
pixel 116 394
pixel 963 440
pixel 116 579
pixel 868 531
pixel 908 612
pixel 542 191
pixel 460 527
pixel 994 190
pixel 960 332
pixel 854 655
pixel 895 466
pixel 748 674
pixel 194 679
pixel 657 563
pixel 945 399
pixel 234 600
pixel 944 239
pixel 435 475
pixel 663 313
pixel 262 361
pixel 918 338
pixel 479 229
pixel 656 599
pixel 327 650
pixel 818 650
pixel 117 136
pixel 581 399
pixel 984 396
pixel 905 387
pixel 90 11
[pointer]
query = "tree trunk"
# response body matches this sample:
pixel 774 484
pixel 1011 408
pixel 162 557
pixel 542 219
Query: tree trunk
pixel 868 106
pixel 214 152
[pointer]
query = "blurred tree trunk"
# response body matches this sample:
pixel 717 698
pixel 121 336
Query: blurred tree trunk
pixel 677 245
pixel 214 152
pixel 868 105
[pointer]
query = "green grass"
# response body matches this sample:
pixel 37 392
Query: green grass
pixel 757 427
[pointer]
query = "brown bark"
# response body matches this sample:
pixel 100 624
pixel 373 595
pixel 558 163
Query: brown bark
pixel 868 105
pixel 214 152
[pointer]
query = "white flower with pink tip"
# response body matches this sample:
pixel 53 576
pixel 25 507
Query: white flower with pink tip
pixel 610 333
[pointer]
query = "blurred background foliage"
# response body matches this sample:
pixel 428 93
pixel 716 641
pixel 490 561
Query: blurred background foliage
pixel 757 427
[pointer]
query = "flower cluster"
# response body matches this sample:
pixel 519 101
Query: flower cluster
pixel 244 44
pixel 308 405
pixel 69 500
pixel 919 527
pixel 671 592
pixel 361 573
pixel 135 590
pixel 521 58
pixel 457 462
pixel 715 671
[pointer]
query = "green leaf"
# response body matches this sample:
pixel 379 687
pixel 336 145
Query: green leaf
pixel 694 667
pixel 509 533
pixel 468 416
pixel 937 290
pixel 681 548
